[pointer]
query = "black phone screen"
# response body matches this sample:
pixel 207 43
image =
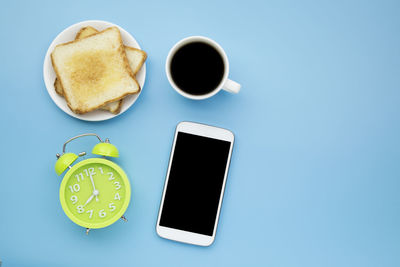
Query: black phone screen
pixel 195 183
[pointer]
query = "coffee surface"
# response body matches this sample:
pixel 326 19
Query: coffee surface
pixel 197 68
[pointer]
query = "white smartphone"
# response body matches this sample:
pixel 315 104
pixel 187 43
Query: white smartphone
pixel 195 183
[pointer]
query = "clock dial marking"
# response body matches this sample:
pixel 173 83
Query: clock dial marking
pixel 117 185
pixel 102 213
pixel 80 209
pixel 91 213
pixel 79 177
pixel 111 176
pixel 74 188
pixel 74 199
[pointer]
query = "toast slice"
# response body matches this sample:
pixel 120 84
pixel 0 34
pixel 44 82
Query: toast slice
pixel 86 32
pixel 136 59
pixel 94 71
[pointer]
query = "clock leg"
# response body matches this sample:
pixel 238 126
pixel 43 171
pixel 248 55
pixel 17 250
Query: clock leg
pixel 87 231
pixel 123 218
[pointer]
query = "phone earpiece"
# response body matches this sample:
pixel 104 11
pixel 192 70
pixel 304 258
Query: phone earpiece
pixel 64 161
pixel 105 149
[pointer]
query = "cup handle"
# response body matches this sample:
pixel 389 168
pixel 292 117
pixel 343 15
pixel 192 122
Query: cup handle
pixel 231 86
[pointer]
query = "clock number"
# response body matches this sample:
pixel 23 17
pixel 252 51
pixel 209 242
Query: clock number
pixel 90 172
pixel 80 209
pixel 117 185
pixel 79 178
pixel 102 213
pixel 77 187
pixel 74 188
pixel 91 213
pixel 111 176
pixel 111 206
pixel 117 197
pixel 101 170
pixel 74 199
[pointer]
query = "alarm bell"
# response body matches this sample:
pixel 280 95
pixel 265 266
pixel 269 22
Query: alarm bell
pixel 64 162
pixel 103 149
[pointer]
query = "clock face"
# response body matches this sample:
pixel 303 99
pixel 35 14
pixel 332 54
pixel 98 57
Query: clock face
pixel 95 193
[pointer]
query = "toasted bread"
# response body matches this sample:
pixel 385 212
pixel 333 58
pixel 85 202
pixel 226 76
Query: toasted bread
pixel 94 71
pixel 86 32
pixel 136 58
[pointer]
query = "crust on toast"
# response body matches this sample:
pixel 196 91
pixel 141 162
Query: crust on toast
pixel 86 32
pixel 140 64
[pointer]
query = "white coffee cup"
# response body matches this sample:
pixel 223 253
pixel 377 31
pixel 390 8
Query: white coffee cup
pixel 225 84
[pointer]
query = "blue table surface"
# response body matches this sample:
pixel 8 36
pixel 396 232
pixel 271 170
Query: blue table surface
pixel 315 173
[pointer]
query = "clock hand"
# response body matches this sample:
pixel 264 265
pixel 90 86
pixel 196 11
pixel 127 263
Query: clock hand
pixel 95 193
pixel 90 199
pixel 94 187
pixel 91 179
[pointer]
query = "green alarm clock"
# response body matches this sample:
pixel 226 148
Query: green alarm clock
pixel 94 192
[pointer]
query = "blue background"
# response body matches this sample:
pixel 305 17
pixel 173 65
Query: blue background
pixel 315 173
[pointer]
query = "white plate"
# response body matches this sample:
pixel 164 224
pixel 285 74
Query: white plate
pixel 49 75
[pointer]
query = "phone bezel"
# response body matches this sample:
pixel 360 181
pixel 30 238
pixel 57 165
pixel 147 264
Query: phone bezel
pixel 206 131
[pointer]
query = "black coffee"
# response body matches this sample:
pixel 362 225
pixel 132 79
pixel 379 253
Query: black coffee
pixel 197 68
